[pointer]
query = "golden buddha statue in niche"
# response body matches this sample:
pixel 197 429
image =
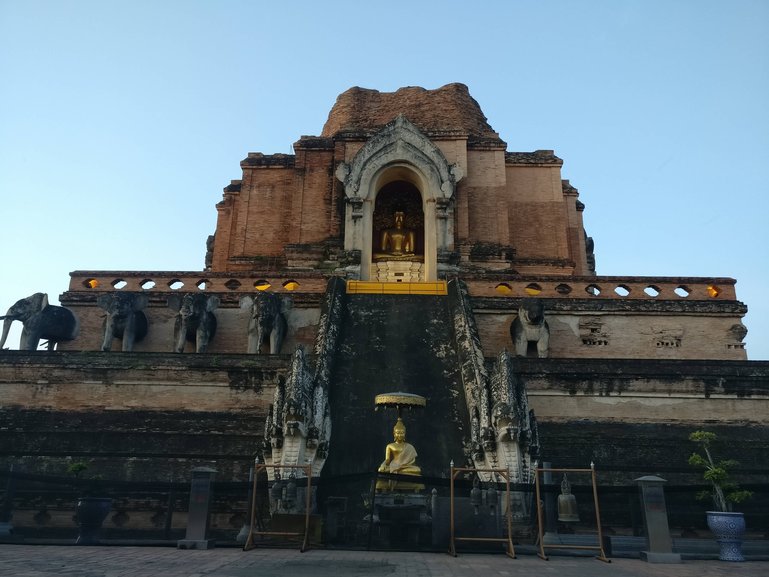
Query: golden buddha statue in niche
pixel 397 242
pixel 400 459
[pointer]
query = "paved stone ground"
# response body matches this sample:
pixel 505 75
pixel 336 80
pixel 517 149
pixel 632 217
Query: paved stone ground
pixel 45 561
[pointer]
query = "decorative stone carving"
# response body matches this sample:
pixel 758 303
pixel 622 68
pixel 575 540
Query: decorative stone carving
pixel 399 140
pixel 209 251
pixel 592 332
pixel 590 253
pixel 397 271
pixel 668 337
pixel 41 321
pixel 267 321
pixel 125 318
pixel 503 431
pixel 512 422
pixel 298 426
pixel 737 334
pixel 400 147
pixel 530 326
pixel 195 322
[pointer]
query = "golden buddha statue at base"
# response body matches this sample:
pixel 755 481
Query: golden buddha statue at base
pixel 400 459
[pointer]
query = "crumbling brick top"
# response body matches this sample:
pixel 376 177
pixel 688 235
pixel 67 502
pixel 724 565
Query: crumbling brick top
pixel 259 159
pixel 449 108
pixel 313 142
pixel 234 186
pixel 536 157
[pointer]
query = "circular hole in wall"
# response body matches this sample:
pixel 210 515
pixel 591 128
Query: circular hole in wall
pixel 622 290
pixel 652 290
pixel 533 289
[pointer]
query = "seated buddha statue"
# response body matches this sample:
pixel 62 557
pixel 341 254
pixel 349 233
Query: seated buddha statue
pixel 397 242
pixel 400 459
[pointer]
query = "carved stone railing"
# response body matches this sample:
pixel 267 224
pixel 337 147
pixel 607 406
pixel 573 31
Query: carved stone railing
pixel 190 281
pixel 598 287
pixel 607 287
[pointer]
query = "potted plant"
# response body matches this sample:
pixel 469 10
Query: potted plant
pixel 90 511
pixel 728 526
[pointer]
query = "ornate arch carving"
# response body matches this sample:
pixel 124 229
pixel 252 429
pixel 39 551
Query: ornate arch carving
pixel 399 144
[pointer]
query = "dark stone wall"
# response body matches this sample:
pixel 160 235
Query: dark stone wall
pixel 130 445
pixel 80 413
pixel 396 343
pixel 636 445
pixel 623 452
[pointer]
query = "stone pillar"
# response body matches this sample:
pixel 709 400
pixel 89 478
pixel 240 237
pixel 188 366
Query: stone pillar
pixel 658 542
pixel 246 528
pixel 198 514
pixel 6 511
pixel 549 505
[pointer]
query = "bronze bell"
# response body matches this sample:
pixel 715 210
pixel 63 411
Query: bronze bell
pixel 567 503
pixel 475 495
pixel 276 492
pixel 291 489
pixel 491 497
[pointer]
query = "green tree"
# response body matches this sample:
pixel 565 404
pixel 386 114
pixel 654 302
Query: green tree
pixel 724 491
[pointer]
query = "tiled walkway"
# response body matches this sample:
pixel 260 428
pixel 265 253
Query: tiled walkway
pixel 46 560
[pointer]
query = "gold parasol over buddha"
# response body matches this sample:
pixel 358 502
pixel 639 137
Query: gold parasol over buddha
pixel 400 456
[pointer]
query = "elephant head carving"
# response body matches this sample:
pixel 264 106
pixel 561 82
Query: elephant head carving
pixel 267 321
pixel 41 321
pixel 195 321
pixel 531 327
pixel 125 319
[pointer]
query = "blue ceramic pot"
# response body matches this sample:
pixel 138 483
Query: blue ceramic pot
pixel 728 529
pixel 90 514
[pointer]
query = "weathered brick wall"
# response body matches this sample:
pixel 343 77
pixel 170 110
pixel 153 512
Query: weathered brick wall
pixel 143 409
pixel 134 416
pixel 576 231
pixel 263 224
pixel 538 225
pixel 226 214
pixel 314 217
pixel 449 107
pixel 485 204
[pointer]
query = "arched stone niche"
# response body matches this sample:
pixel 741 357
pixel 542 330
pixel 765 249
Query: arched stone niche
pixel 399 153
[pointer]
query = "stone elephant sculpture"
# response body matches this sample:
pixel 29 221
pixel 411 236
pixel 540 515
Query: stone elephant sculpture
pixel 267 321
pixel 125 318
pixel 531 327
pixel 41 321
pixel 195 322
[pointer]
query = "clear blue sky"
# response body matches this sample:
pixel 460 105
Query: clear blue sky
pixel 120 122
